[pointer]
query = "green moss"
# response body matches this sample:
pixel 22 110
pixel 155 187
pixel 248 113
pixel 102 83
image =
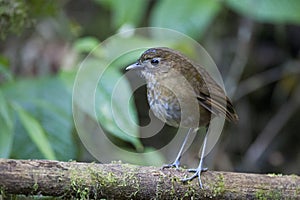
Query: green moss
pixel 190 192
pixel 2 193
pixel 219 187
pixel 260 195
pixel 294 177
pixel 35 187
pixel 275 194
pixel 268 194
pixel 98 182
pixel 79 189
pixel 172 190
pixel 297 192
pixel 130 179
pixel 274 175
pixel 111 180
pixel 78 185
pixel 159 191
pixel 116 162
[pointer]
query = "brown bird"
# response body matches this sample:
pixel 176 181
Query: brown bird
pixel 182 93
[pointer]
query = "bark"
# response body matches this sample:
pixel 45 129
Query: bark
pixel 126 181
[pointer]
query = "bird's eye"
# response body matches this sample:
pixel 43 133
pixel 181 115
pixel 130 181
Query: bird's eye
pixel 154 61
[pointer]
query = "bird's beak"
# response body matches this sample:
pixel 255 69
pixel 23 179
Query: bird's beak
pixel 134 66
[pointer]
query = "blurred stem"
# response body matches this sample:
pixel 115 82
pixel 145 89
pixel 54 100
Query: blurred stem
pixel 239 62
pixel 272 129
pixel 264 78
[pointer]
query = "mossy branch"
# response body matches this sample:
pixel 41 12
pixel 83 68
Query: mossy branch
pixel 125 181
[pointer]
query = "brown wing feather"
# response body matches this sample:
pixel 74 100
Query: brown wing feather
pixel 213 98
pixel 218 108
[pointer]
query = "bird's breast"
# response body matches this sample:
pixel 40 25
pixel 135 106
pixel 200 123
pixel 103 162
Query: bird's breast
pixel 164 104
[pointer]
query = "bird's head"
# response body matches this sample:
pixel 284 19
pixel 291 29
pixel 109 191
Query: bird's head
pixel 156 62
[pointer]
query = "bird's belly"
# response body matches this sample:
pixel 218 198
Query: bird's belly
pixel 167 108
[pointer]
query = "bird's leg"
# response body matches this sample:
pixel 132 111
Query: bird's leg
pixel 176 163
pixel 200 168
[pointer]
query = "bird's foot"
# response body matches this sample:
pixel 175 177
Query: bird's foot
pixel 175 164
pixel 197 173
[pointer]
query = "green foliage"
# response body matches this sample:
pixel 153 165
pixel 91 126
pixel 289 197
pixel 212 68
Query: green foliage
pixel 13 16
pixel 35 132
pixel 86 44
pixel 116 121
pixel 191 17
pixel 37 113
pixel 6 124
pixel 124 12
pixel 43 8
pixel 117 115
pixel 272 11
pixel 5 74
pixel 42 123
pixel 16 15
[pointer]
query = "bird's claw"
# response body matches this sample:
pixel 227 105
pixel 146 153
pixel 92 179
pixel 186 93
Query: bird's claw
pixel 175 164
pixel 195 170
pixel 197 173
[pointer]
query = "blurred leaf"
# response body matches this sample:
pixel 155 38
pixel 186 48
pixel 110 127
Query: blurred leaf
pixel 154 158
pixel 86 44
pixel 126 13
pixel 273 11
pixel 125 50
pixel 4 69
pixel 43 8
pixel 119 123
pixel 4 61
pixel 48 101
pixel 6 131
pixel 36 132
pixel 116 114
pixel 67 78
pixel 191 17
pixel 120 45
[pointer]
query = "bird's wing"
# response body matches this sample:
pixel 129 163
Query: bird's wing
pixel 208 92
pixel 213 98
pixel 219 106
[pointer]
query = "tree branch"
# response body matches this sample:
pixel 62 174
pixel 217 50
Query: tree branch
pixel 125 181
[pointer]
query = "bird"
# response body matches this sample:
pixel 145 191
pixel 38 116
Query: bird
pixel 182 93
